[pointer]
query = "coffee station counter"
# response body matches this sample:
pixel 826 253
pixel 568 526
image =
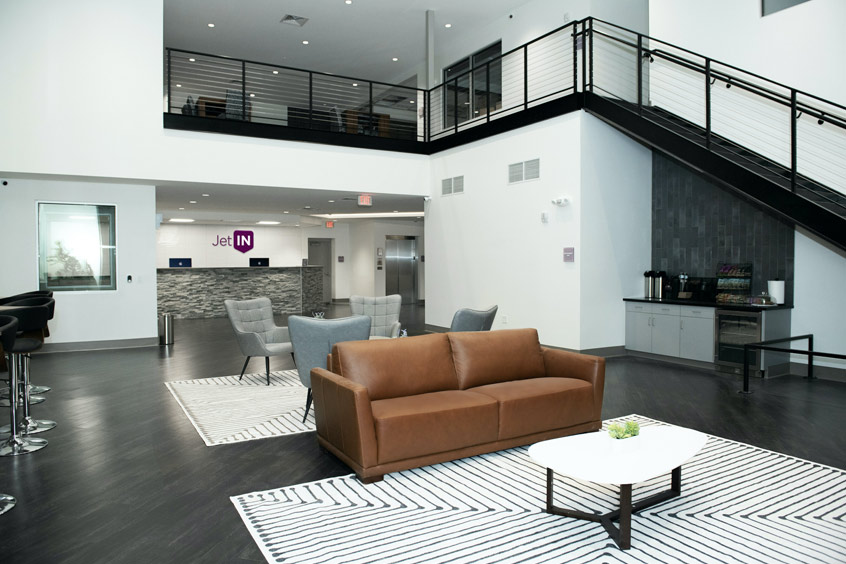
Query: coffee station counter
pixel 697 303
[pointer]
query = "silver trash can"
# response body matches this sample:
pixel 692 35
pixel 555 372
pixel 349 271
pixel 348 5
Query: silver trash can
pixel 166 329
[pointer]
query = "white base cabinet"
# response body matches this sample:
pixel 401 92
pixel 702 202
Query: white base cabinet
pixel 671 330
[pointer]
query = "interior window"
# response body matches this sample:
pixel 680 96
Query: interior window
pixel 473 85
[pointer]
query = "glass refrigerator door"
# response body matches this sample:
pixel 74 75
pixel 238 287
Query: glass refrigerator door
pixel 733 331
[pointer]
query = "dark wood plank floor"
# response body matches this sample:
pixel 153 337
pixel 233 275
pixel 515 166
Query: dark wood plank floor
pixel 126 478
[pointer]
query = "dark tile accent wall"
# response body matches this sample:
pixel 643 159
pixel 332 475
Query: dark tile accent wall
pixel 698 225
pixel 199 292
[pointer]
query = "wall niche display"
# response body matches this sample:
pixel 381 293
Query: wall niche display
pixel 76 247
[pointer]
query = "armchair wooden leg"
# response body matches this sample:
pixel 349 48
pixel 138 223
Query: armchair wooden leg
pixel 267 368
pixel 308 405
pixel 245 367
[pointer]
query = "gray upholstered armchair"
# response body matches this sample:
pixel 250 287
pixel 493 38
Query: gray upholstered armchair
pixel 473 320
pixel 313 339
pixel 383 312
pixel 256 331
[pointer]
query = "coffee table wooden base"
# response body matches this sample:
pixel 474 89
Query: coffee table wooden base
pixel 621 535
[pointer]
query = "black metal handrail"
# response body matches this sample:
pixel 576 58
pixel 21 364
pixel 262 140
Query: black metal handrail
pixel 767 346
pixel 644 50
pixel 443 114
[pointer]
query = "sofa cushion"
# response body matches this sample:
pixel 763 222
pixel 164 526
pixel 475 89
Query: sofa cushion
pixel 430 423
pixel 391 368
pixel 540 404
pixel 487 357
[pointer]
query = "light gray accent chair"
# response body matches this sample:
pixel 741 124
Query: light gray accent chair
pixel 256 331
pixel 473 320
pixel 313 340
pixel 383 311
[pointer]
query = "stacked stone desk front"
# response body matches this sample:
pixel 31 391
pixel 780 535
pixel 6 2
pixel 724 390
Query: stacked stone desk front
pixel 191 293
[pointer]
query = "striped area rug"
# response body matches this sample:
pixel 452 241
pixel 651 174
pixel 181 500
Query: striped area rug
pixel 225 410
pixel 738 504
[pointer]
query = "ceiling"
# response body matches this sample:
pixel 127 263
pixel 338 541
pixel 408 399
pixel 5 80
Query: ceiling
pixel 358 39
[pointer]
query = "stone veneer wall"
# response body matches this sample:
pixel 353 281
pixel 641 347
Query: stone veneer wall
pixel 190 293
pixel 697 225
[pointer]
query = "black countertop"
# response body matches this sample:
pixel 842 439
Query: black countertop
pixel 696 303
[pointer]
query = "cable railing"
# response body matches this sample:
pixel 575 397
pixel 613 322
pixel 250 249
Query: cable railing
pixel 793 138
pixel 750 118
pixel 210 86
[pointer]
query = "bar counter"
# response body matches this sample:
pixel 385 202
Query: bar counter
pixel 191 293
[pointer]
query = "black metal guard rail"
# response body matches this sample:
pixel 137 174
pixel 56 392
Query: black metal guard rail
pixel 449 120
pixel 721 63
pixel 766 346
pixel 796 109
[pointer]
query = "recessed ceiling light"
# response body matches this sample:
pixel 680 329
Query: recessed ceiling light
pixel 181 220
pixel 355 83
pixel 348 2
pixel 192 59
pixel 252 95
pixel 447 25
pixel 181 209
pixel 275 72
pixel 267 223
pixel 396 211
pixel 306 207
pixel 286 211
pixel 305 41
pixel 394 59
pixel 211 25
pixel 411 101
pixel 192 201
pixel 331 201
pixel 179 86
pixel 206 195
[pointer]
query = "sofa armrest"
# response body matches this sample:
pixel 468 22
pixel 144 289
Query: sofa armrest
pixel 395 330
pixel 567 364
pixel 344 417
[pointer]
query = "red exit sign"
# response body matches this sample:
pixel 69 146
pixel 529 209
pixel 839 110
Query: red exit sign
pixel 365 200
pixel 330 224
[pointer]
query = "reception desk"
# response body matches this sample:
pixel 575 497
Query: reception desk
pixel 191 293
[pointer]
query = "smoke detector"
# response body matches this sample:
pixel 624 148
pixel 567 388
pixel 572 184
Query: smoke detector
pixel 289 19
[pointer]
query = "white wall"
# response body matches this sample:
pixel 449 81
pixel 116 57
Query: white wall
pixel 126 313
pixel 488 246
pixel 803 46
pixel 820 306
pixel 616 230
pixel 72 118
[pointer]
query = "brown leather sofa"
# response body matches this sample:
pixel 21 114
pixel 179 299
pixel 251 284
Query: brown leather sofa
pixel 391 405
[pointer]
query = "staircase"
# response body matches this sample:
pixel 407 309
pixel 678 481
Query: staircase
pixel 670 101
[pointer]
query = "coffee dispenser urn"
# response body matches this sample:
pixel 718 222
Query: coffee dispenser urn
pixel 658 284
pixel 648 284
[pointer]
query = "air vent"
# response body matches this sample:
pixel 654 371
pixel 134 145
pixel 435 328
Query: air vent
pixel 527 170
pixel 515 173
pixel 458 185
pixel 531 169
pixel 453 185
pixel 446 186
pixel 289 19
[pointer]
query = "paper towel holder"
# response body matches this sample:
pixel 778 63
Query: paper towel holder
pixel 775 288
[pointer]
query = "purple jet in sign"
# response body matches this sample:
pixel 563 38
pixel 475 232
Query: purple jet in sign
pixel 243 241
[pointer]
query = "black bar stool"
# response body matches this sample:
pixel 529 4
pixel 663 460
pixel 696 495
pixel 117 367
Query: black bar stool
pixel 33 389
pixel 30 327
pixel 8 332
pixel 27 317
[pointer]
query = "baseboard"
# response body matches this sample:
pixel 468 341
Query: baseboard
pixel 340 300
pixel 606 352
pixel 675 360
pixel 99 345
pixel 821 372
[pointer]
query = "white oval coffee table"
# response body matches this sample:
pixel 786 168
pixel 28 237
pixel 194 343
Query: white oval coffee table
pixel 596 457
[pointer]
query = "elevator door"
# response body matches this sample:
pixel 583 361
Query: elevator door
pixel 401 268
